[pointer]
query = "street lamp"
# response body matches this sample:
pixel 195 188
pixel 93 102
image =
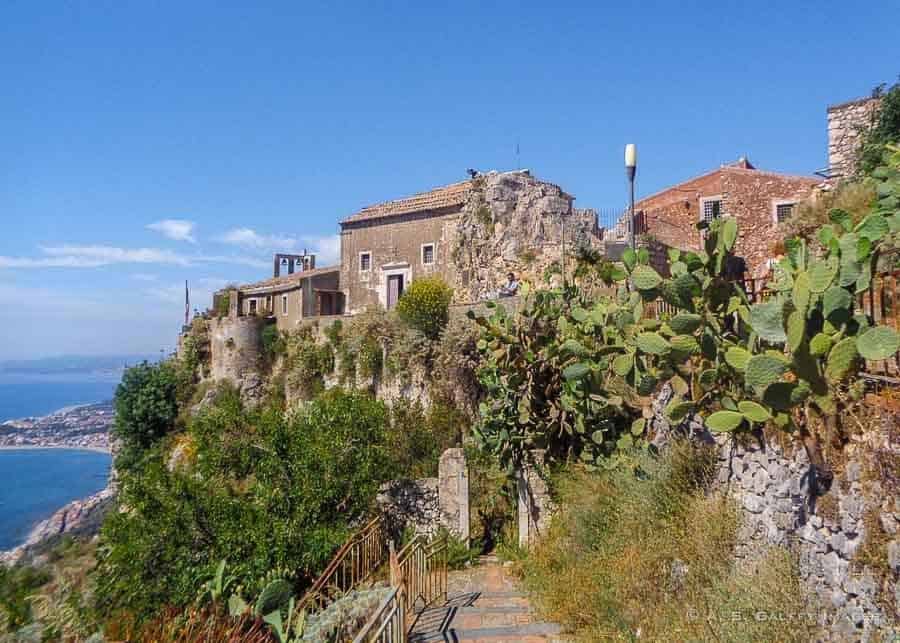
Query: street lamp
pixel 630 169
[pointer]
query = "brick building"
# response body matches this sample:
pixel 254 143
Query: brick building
pixel 759 200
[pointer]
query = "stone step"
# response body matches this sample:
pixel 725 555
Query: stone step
pixel 529 633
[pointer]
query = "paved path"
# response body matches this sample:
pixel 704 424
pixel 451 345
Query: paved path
pixel 484 604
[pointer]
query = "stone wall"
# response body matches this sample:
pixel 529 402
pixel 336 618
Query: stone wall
pixel 846 124
pixel 534 506
pixel 411 503
pixel 236 353
pixel 428 504
pixel 827 534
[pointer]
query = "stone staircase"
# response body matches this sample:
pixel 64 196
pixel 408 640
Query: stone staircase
pixel 484 604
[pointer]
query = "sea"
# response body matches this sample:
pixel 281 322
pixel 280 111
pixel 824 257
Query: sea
pixel 34 483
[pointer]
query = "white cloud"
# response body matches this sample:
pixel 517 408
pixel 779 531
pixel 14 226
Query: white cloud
pixel 201 291
pixel 327 249
pixel 144 276
pixel 250 238
pixel 176 229
pixel 77 256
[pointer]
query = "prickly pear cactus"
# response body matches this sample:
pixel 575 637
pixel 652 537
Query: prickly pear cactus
pixel 573 376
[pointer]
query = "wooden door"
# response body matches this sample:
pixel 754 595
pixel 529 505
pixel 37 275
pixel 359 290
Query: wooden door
pixel 395 289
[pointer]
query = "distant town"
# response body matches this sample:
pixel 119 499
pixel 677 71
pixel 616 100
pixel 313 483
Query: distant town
pixel 75 427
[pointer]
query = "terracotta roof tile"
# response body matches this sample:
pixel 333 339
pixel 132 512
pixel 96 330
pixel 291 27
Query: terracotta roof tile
pixel 286 281
pixel 442 197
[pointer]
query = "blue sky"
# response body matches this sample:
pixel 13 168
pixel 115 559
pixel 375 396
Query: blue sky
pixel 145 143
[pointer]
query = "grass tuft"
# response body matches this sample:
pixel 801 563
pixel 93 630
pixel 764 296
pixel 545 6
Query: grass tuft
pixel 646 553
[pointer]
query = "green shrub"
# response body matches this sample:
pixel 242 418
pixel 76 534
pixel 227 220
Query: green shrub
pixel 267 492
pixel 146 404
pixel 272 342
pixel 16 585
pixel 645 551
pixel 418 438
pixel 884 130
pixel 425 304
pixel 307 362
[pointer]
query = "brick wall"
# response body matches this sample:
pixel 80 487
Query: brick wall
pixel 670 217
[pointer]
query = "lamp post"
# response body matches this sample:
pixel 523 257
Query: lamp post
pixel 630 169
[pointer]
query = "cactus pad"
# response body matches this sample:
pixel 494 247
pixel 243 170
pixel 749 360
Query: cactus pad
pixel 796 328
pixel 822 273
pixel 767 319
pixel 652 343
pixel 737 357
pixel 724 421
pixel 623 364
pixel 763 370
pixel 841 359
pixel 685 323
pixel 880 342
pixel 820 344
pixel 645 278
pixel 753 411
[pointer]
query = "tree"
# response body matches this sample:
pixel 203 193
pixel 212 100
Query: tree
pixel 146 407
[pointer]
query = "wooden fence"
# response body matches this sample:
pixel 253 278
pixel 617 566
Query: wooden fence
pixel 354 563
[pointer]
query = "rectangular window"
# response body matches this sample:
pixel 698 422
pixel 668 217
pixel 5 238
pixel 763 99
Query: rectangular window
pixel 711 209
pixel 284 304
pixel 428 253
pixel 783 212
pixel 252 307
pixel 365 261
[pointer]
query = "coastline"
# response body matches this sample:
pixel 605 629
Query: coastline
pixel 34 447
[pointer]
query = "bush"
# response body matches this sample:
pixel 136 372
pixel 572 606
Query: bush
pixel 272 342
pixel 644 549
pixel 267 492
pixel 146 404
pixel 16 585
pixel 885 129
pixel 307 362
pixel 425 304
pixel 418 438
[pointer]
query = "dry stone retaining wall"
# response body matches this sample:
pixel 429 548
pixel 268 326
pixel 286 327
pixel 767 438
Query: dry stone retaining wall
pixel 428 504
pixel 826 534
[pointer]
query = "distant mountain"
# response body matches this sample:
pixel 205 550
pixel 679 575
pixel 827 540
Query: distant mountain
pixel 73 364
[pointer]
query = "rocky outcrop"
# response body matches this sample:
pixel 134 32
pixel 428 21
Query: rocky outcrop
pixel 78 518
pixel 514 222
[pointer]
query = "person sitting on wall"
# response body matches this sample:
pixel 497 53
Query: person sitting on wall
pixel 511 287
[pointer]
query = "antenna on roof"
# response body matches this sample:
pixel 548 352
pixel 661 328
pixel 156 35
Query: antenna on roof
pixel 518 157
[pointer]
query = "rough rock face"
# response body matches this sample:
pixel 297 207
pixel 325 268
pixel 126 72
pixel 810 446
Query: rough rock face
pixel 513 222
pixel 79 517
pixel 827 534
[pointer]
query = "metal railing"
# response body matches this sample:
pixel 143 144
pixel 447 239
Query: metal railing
pixel 418 578
pixel 387 624
pixel 354 563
